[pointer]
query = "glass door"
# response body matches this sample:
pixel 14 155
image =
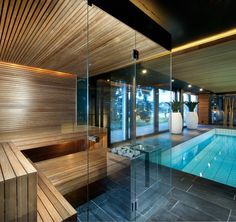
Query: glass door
pixel 151 179
pixel 126 180
pixel 111 76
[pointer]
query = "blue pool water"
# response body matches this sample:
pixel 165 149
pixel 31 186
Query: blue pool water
pixel 211 155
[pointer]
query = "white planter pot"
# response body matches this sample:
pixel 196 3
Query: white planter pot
pixel 192 120
pixel 176 123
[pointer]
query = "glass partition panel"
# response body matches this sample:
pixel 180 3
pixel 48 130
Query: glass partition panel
pixel 111 75
pixel 126 159
pixel 152 176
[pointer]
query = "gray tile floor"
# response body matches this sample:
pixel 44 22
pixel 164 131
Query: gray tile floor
pixel 197 199
pixel 172 196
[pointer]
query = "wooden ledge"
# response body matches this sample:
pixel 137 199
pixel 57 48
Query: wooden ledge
pixel 52 206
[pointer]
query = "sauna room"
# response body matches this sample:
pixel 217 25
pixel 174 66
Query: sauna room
pixel 86 102
pixel 55 156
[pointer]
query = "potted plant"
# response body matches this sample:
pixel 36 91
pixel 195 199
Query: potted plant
pixel 192 117
pixel 175 120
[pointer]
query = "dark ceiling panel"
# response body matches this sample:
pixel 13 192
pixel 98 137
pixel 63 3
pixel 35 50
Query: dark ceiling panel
pixel 126 12
pixel 190 20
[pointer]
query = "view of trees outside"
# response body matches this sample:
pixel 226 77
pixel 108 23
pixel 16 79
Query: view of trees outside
pixel 118 112
pixel 165 96
pixel 144 110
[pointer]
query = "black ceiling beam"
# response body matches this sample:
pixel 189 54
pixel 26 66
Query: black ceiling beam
pixel 128 13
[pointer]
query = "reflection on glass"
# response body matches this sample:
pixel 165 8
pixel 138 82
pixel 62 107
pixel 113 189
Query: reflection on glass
pixel 144 111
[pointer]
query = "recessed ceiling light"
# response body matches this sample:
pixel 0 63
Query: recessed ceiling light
pixel 108 80
pixel 201 89
pixel 144 71
pixel 189 86
pixel 172 80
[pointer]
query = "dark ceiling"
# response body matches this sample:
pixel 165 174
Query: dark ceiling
pixel 189 20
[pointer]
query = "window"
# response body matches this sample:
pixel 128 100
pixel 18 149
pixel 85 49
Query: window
pixel 118 117
pixel 144 111
pixel 165 96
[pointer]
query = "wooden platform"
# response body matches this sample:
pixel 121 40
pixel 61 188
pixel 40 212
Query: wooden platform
pixel 44 201
pixel 71 172
pixel 51 205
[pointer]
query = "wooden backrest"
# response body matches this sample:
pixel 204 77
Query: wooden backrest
pixel 18 186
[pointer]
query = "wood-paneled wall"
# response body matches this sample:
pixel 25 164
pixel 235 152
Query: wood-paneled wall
pixel 33 98
pixel 204 108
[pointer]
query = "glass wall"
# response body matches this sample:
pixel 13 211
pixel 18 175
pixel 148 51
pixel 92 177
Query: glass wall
pixel 122 102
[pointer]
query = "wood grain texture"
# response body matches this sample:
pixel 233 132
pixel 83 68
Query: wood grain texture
pixel 10 203
pixel 53 35
pixel 33 98
pixel 212 68
pixel 40 137
pixel 18 200
pixel 59 203
pixel 2 191
pixel 31 182
pixel 73 171
pixel 204 108
pixel 21 184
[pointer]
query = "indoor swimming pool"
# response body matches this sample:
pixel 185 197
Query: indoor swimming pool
pixel 211 155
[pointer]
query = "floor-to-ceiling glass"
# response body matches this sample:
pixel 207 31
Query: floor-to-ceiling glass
pixel 123 167
pixel 152 181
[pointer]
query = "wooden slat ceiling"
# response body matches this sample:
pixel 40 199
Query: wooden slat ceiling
pixel 212 68
pixel 52 34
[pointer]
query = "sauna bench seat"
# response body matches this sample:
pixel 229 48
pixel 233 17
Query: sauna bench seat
pixel 26 194
pixel 51 205
pixel 70 172
pixel 41 137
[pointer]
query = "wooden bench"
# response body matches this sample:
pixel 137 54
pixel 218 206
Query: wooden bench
pixel 18 186
pixel 52 206
pixel 70 172
pixel 27 195
pixel 40 137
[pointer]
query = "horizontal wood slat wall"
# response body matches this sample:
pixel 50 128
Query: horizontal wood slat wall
pixel 32 98
pixel 204 108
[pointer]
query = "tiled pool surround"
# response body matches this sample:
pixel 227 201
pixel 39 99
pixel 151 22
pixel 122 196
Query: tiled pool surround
pixel 211 155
